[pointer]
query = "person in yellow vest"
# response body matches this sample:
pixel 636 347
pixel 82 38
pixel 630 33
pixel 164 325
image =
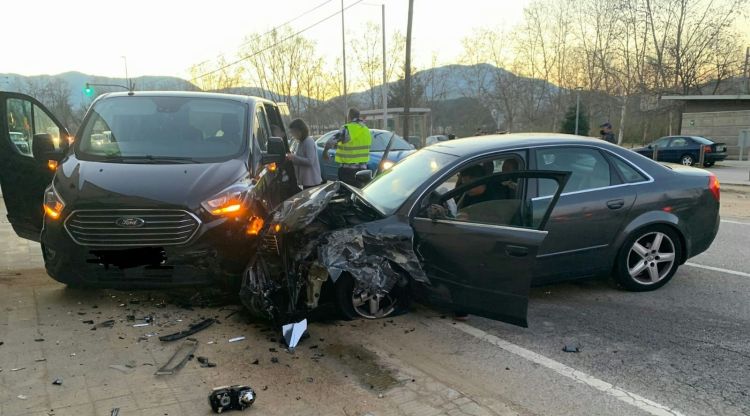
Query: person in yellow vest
pixel 352 145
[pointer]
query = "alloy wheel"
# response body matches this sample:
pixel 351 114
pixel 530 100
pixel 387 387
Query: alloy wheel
pixel 687 160
pixel 651 258
pixel 373 306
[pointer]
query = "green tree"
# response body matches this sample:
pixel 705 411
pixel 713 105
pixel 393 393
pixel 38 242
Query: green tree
pixel 569 122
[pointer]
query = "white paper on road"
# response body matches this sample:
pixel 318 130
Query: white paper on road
pixel 293 333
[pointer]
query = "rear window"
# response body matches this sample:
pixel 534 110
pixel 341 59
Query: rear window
pixel 702 140
pixel 196 129
pixel 628 173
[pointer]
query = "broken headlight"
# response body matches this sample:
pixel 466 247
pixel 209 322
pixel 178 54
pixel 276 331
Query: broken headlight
pixel 53 204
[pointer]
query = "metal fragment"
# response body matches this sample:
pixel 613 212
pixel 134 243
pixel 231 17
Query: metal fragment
pixel 179 358
pixel 192 329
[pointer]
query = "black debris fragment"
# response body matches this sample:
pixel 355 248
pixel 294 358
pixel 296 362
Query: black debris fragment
pixel 192 329
pixel 571 348
pixel 231 398
pixel 115 412
pixel 265 388
pixel 310 380
pixel 256 362
pixel 88 322
pixel 57 382
pixel 272 350
pixel 39 340
pixel 205 363
pixel 314 347
pixel 275 360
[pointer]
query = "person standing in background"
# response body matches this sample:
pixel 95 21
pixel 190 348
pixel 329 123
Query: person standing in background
pixel 305 158
pixel 607 134
pixel 352 145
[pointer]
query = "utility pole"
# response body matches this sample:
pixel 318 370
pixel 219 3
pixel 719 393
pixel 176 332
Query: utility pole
pixel 746 71
pixel 578 106
pixel 127 79
pixel 407 69
pixel 385 76
pixel 343 54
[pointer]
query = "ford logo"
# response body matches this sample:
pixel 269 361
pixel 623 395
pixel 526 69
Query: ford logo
pixel 130 222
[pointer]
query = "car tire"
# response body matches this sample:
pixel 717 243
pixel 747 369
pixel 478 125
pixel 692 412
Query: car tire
pixel 354 305
pixel 648 259
pixel 687 160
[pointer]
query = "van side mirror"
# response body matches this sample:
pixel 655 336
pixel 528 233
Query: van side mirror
pixel 43 149
pixel 276 151
pixel 363 176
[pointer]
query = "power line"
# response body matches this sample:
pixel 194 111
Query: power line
pixel 276 27
pixel 275 44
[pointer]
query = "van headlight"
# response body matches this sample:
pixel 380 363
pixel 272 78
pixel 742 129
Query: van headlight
pixel 228 202
pixel 53 204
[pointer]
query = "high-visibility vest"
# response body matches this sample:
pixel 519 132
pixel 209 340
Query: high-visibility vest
pixel 357 149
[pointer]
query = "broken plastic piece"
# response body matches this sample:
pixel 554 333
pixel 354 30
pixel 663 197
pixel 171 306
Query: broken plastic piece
pixel 57 382
pixel 293 333
pixel 571 348
pixel 205 363
pixel 200 326
pixel 235 339
pixel 231 398
pixel 120 368
pixel 106 324
pixel 115 412
pixel 140 325
pixel 180 357
pixel 22 397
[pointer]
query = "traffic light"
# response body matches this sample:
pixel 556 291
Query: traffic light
pixel 89 90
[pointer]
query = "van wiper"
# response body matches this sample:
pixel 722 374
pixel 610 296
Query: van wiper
pixel 150 159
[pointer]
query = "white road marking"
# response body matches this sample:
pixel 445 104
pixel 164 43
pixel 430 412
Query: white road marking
pixel 648 406
pixel 735 222
pixel 718 269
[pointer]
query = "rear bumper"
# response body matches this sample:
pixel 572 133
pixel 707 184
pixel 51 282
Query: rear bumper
pixel 715 157
pixel 217 253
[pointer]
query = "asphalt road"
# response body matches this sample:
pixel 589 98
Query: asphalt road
pixel 685 346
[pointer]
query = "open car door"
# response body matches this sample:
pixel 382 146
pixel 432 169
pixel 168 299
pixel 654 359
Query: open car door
pixel 23 177
pixel 480 258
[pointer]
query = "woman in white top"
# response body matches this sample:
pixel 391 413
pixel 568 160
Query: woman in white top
pixel 305 158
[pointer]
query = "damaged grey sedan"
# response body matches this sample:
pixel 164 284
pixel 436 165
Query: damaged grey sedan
pixel 423 230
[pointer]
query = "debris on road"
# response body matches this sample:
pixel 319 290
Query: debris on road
pixel 115 412
pixel 192 329
pixel 179 358
pixel 231 398
pixel 106 324
pixel 57 382
pixel 22 397
pixel 140 325
pixel 235 339
pixel 121 368
pixel 571 348
pixel 39 340
pixel 205 363
pixel 88 322
pixel 293 333
pixel 18 369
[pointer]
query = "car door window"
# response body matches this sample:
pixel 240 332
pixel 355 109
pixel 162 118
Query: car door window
pixel 496 198
pixel 628 173
pixel 589 169
pixel 262 129
pixel 20 124
pixel 679 142
pixel 663 142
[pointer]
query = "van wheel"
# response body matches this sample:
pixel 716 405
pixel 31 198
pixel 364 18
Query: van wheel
pixel 648 259
pixel 357 304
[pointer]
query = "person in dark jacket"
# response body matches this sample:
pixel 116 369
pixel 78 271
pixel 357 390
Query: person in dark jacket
pixel 607 134
pixel 305 158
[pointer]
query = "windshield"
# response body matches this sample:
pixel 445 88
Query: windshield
pixel 388 191
pixel 171 128
pixel 380 141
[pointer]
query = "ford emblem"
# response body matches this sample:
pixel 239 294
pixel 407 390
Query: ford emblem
pixel 130 222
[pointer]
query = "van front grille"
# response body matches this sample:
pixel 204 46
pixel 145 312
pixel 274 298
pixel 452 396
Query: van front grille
pixel 131 227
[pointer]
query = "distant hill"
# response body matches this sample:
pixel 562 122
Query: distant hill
pixel 76 83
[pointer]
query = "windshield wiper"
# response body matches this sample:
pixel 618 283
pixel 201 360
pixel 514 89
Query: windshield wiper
pixel 151 159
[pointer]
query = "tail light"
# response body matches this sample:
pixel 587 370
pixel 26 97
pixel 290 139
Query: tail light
pixel 714 186
pixel 707 149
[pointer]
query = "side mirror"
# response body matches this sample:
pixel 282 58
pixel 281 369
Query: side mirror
pixel 43 149
pixel 363 176
pixel 276 151
pixel 650 146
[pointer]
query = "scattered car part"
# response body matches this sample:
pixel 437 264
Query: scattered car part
pixel 105 324
pixel 200 326
pixel 120 368
pixel 205 363
pixel 231 398
pixel 141 325
pixel 115 412
pixel 571 348
pixel 293 333
pixel 236 339
pixel 179 358
pixel 57 382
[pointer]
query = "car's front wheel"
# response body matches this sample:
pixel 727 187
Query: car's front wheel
pixel 687 160
pixel 648 259
pixel 355 303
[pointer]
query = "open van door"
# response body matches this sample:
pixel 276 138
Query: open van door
pixel 24 177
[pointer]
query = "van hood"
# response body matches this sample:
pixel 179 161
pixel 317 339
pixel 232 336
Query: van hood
pixel 87 184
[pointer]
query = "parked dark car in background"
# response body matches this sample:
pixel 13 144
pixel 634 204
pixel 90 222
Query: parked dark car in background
pixel 420 230
pixel 685 150
pixel 399 150
pixel 158 189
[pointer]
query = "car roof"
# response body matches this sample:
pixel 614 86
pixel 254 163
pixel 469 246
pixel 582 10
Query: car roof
pixel 481 144
pixel 188 94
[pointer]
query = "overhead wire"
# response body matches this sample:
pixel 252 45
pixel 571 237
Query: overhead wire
pixel 275 44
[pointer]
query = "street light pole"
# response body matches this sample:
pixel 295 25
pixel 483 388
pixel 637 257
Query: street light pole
pixel 578 106
pixel 127 79
pixel 343 54
pixel 385 76
pixel 407 70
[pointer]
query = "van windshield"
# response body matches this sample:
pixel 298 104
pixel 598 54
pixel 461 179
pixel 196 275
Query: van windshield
pixel 163 130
